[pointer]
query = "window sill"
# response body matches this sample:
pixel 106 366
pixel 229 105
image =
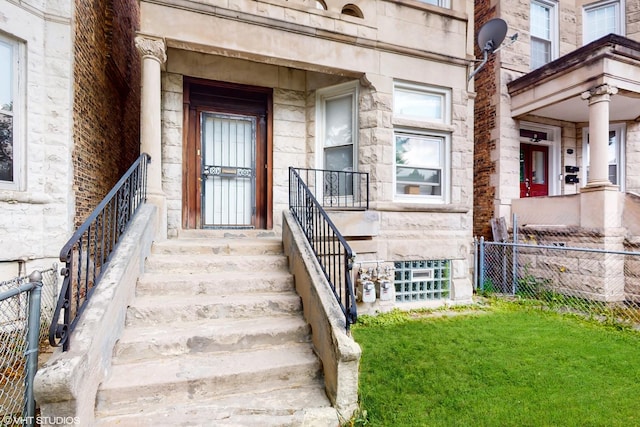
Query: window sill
pixel 23 197
pixel 418 207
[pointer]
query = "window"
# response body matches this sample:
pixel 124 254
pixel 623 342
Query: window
pixel 602 18
pixel 421 165
pixel 425 280
pixel 441 3
pixel 10 125
pixel 422 158
pixel 615 153
pixel 415 102
pixel 337 127
pixel 543 27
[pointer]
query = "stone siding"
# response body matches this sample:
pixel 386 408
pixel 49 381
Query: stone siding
pixel 36 219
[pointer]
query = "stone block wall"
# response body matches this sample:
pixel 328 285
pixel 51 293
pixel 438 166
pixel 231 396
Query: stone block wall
pixel 35 219
pixel 106 103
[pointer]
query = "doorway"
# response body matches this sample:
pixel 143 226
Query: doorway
pixel 534 170
pixel 227 156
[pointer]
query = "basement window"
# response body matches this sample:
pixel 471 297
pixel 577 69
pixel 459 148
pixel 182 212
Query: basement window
pixel 422 280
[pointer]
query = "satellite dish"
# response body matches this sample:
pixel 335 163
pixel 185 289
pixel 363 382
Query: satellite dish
pixel 492 34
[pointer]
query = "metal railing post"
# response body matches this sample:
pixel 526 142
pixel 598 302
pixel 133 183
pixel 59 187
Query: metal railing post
pixel 33 338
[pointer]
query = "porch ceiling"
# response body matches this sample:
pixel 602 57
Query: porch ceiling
pixel 554 90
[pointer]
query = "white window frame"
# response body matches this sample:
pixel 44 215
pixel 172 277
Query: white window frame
pixel 620 17
pixel 620 129
pixel 327 94
pixel 17 113
pixel 552 6
pixel 445 167
pixel 435 127
pixel 441 93
pixel 554 133
pixel 439 3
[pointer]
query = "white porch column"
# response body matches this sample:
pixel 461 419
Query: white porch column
pixel 153 57
pixel 599 98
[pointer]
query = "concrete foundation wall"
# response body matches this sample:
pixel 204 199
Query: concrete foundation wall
pixel 339 353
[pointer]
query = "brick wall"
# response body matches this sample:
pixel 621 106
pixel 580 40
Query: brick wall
pixel 106 98
pixel 485 122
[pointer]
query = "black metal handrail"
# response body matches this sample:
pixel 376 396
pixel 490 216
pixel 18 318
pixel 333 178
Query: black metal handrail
pixel 337 189
pixel 329 246
pixel 89 250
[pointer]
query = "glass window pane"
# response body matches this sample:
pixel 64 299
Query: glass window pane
pixel 6 76
pixel 540 21
pixel 338 122
pixel 601 21
pixel 6 148
pixel 419 165
pixel 339 158
pixel 538 167
pixel 418 105
pixel 540 53
pixel 418 151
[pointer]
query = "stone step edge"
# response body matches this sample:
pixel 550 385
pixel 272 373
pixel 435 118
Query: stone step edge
pixel 282 401
pixel 174 339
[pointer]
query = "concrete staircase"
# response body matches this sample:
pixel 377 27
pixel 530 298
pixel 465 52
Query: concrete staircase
pixel 215 337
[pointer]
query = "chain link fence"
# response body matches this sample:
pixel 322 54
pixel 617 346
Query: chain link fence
pixel 568 268
pixel 13 336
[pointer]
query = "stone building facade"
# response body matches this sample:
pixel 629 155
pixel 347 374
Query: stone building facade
pixel 505 132
pixel 70 95
pixel 556 133
pixel 330 85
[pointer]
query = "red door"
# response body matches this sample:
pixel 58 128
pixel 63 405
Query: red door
pixel 534 170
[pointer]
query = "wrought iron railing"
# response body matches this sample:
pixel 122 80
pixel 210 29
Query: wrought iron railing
pixel 337 189
pixel 329 246
pixel 89 250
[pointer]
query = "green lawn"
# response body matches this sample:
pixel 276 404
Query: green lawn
pixel 501 367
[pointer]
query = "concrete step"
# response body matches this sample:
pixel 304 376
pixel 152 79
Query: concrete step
pixel 208 336
pixel 164 382
pixel 200 263
pixel 227 283
pixel 305 406
pixel 251 234
pixel 163 309
pixel 219 246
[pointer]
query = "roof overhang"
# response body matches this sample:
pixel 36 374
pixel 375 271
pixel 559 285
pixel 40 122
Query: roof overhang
pixel 554 90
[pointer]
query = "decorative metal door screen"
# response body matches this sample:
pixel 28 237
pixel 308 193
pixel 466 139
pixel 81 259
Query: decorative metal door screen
pixel 228 170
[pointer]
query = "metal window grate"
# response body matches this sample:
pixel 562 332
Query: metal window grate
pixel 423 280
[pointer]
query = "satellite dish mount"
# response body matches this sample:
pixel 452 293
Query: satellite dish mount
pixel 490 36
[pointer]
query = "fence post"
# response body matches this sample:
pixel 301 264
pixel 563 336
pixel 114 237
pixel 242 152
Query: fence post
pixel 33 338
pixel 481 263
pixel 514 252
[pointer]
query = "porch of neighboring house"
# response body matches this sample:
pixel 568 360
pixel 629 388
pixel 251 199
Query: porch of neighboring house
pixel 579 188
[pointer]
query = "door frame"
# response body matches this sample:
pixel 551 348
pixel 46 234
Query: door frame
pixel 553 141
pixel 221 97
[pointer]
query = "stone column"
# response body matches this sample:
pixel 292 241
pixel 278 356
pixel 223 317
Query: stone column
pixel 153 57
pixel 601 204
pixel 599 98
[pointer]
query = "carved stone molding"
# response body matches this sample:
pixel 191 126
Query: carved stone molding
pixel 600 93
pixel 151 47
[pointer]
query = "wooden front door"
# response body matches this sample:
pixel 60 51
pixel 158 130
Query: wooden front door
pixel 534 170
pixel 227 162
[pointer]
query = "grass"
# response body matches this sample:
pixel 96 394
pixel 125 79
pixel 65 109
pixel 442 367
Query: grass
pixel 507 366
